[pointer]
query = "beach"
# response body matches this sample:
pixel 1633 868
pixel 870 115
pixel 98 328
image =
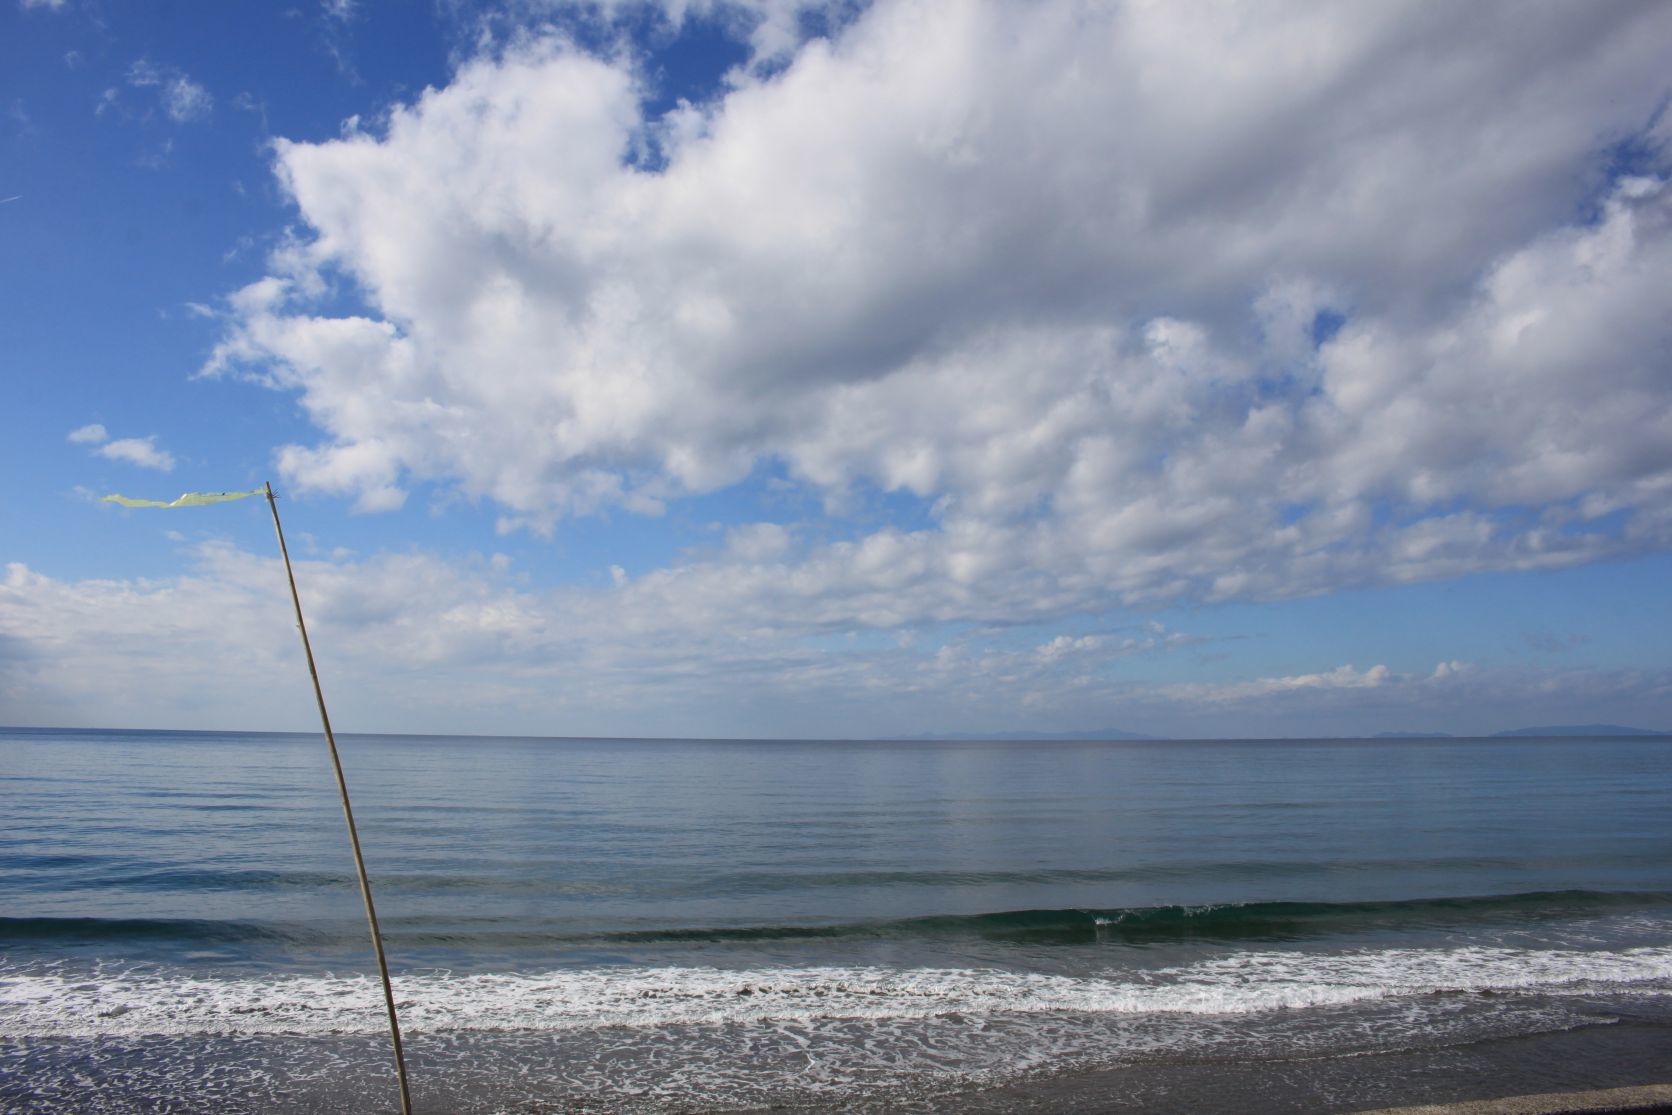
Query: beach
pixel 1622 1070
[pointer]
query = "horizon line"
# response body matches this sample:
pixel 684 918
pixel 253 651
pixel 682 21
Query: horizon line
pixel 1566 731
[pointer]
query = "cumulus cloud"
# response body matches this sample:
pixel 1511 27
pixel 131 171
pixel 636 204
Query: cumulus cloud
pixel 1144 303
pixel 141 451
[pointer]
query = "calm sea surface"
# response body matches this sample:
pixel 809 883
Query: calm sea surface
pixel 613 925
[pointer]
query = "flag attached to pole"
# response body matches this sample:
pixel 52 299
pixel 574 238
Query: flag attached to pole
pixel 189 499
pixel 199 499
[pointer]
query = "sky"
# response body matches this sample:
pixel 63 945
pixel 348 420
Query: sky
pixel 821 368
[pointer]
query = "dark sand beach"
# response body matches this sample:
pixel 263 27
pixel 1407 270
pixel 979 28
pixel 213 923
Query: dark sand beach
pixel 1618 1068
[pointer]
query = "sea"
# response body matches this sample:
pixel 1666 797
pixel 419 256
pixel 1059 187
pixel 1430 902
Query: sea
pixel 612 925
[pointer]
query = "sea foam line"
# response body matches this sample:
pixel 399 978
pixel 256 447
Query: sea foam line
pixel 46 1001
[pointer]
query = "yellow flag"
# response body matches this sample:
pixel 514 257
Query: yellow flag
pixel 189 499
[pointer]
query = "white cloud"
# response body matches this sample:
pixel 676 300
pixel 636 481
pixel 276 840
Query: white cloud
pixel 758 542
pixel 86 649
pixel 773 29
pixel 1065 645
pixel 186 100
pixel 141 451
pixel 1056 270
pixel 410 642
pixel 22 125
pixel 145 73
pixel 182 98
pixel 51 5
pixel 1342 677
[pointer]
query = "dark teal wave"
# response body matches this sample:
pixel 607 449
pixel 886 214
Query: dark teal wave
pixel 1254 921
pixel 58 872
pixel 181 930
pixel 207 880
pixel 1250 922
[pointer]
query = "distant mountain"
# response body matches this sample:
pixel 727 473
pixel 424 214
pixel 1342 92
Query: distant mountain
pixel 1581 730
pixel 1105 733
pixel 1571 730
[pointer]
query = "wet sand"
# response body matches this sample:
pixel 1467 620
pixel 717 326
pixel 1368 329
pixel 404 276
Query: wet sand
pixel 1619 1067
pixel 1647 1098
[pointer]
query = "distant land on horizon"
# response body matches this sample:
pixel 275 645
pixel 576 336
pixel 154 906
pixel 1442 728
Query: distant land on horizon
pixel 949 737
pixel 1582 730
pixel 1558 731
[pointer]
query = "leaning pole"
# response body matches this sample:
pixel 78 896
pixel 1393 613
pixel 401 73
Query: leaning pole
pixel 348 814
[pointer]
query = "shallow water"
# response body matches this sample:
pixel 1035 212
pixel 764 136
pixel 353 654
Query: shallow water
pixel 667 925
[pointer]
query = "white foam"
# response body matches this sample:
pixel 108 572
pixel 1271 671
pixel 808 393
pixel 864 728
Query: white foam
pixel 48 1000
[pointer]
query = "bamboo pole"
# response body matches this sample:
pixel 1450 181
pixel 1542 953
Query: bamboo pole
pixel 348 816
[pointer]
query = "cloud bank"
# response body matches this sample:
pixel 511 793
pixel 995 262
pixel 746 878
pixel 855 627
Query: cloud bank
pixel 412 643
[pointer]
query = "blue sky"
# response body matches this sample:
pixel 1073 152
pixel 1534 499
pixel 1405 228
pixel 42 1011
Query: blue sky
pixel 787 368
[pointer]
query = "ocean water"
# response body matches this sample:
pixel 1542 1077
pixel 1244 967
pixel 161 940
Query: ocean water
pixel 622 926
